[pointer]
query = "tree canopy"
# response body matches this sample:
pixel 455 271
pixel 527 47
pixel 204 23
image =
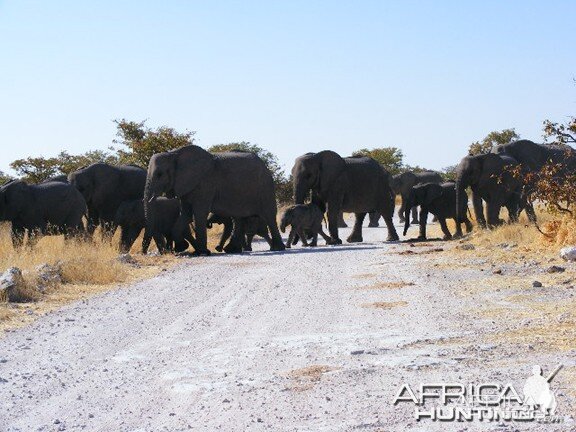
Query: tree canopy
pixel 141 142
pixel 494 138
pixel 390 157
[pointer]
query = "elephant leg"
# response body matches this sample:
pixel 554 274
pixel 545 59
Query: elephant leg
pixel 125 239
pixel 402 207
pixel 513 212
pixel 493 213
pixel 17 235
pixel 248 246
pixel 236 243
pixel 226 234
pixel 92 222
pixel 333 224
pixel 422 223
pixel 445 230
pixel 266 236
pixel 146 240
pixel 314 241
pixel 415 215
pixel 291 238
pixel 303 236
pixel 478 210
pixel 374 217
pixel 160 241
pixel 200 220
pixel 392 234
pixel 529 208
pixel 341 222
pixel 356 234
pixel 468 224
pixel 269 218
pixel 326 237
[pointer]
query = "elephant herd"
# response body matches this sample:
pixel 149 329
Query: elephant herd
pixel 192 187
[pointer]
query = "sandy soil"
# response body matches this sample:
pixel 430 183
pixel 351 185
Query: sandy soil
pixel 306 340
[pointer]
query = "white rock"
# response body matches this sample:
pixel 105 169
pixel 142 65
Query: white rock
pixel 10 280
pixel 48 275
pixel 568 253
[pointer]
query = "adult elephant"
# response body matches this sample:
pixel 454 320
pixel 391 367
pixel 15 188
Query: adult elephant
pixel 42 209
pixel 534 156
pixel 490 179
pixel 356 184
pixel 104 188
pixel 232 184
pixel 402 185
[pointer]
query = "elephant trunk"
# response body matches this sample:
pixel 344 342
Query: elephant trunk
pixel 300 192
pixel 286 220
pixel 407 209
pixel 461 185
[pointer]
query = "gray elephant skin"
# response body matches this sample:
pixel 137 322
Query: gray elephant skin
pixel 231 184
pixel 305 220
pixel 252 226
pixel 534 156
pixel 356 184
pixel 104 188
pixel 440 200
pixel 490 179
pixel 160 225
pixel 42 209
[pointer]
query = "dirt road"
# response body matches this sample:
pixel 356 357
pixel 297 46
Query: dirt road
pixel 306 340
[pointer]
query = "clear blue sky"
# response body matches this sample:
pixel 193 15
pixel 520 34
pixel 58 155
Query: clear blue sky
pixel 292 76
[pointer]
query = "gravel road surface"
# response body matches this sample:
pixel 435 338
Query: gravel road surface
pixel 307 340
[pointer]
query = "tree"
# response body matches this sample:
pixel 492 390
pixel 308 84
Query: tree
pixel 494 138
pixel 449 172
pixel 4 177
pixel 142 142
pixel 561 134
pixel 39 169
pixel 390 157
pixel 35 169
pixel 268 157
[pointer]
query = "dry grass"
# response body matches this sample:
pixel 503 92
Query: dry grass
pixel 88 268
pixel 387 285
pixel 385 305
pixel 305 378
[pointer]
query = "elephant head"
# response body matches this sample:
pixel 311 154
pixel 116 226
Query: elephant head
pixel 177 172
pixel 14 197
pixel 468 173
pixel 420 195
pixel 286 219
pixel 84 180
pixel 317 172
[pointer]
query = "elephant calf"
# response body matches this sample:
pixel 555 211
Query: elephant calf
pixel 304 219
pixel 160 224
pixel 440 200
pixel 253 225
pixel 46 208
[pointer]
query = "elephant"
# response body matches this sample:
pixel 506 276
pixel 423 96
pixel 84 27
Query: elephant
pixel 489 177
pixel 304 219
pixel 233 184
pixel 534 156
pixel 440 200
pixel 355 184
pixel 251 225
pixel 160 225
pixel 62 178
pixel 49 208
pixel 104 188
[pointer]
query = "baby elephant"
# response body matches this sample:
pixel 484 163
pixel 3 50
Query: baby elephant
pixel 304 219
pixel 252 225
pixel 440 200
pixel 164 213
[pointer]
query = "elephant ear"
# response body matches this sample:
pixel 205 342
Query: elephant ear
pixel 332 167
pixel 191 166
pixel 15 195
pixel 433 191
